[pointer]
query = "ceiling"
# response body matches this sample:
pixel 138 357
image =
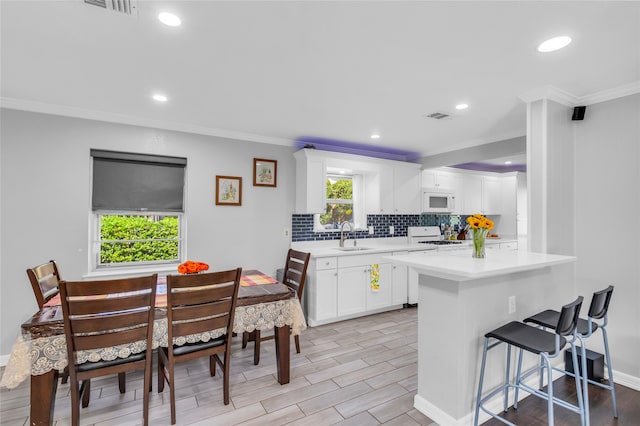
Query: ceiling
pixel 278 71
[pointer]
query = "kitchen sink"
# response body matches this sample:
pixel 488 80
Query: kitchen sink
pixel 353 248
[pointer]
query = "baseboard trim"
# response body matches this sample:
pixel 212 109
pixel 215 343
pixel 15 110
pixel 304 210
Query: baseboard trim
pixel 626 380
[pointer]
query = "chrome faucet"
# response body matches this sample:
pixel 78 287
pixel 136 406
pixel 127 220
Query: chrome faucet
pixel 342 232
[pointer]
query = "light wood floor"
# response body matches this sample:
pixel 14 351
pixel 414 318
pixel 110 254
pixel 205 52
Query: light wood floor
pixel 357 372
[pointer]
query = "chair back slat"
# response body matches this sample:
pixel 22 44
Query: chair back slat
pixel 600 303
pixel 568 320
pixel 295 271
pixel 200 325
pixel 44 281
pixel 97 324
pixel 198 295
pixel 201 302
pixel 104 340
pixel 92 321
pixel 106 287
pixel 183 313
pixel 82 305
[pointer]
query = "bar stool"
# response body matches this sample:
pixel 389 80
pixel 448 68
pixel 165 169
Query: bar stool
pixel 597 310
pixel 540 342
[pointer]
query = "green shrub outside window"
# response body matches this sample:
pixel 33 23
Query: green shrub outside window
pixel 138 239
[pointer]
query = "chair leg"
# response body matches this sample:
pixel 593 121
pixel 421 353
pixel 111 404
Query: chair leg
pixel 85 392
pixel 172 394
pixel 122 382
pixel 610 371
pixel 506 379
pixel 225 378
pixel 147 385
pixel 65 375
pixel 245 339
pixel 518 380
pixel 75 404
pixel 296 338
pixel 256 348
pixel 160 371
pixel 479 395
pixel 212 365
pixel 584 400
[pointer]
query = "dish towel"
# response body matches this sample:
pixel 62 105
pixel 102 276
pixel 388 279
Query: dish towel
pixel 375 277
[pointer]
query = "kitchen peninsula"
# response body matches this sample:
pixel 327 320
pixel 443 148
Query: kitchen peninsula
pixel 460 299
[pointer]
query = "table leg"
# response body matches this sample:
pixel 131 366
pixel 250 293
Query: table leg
pixel 43 395
pixel 282 338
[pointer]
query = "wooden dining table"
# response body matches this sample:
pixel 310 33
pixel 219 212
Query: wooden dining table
pixel 259 306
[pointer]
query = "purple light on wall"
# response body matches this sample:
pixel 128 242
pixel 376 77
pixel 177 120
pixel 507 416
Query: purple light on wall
pixel 333 145
pixel 496 168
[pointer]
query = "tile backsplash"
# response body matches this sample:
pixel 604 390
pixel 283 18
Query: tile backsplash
pixel 302 225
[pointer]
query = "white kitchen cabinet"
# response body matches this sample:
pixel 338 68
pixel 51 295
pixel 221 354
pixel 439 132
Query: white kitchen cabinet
pixel 481 194
pixel 394 189
pixel 399 276
pixel 321 290
pixel 440 180
pixel 339 288
pixel 351 290
pixel 311 178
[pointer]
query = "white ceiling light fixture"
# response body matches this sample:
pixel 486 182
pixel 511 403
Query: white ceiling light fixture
pixel 375 136
pixel 554 44
pixel 169 19
pixel 160 97
pixel 508 162
pixel 462 106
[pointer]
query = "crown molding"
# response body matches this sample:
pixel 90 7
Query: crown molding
pixel 41 107
pixel 567 99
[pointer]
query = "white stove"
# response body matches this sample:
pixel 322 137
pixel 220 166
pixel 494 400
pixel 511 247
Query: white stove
pixel 430 236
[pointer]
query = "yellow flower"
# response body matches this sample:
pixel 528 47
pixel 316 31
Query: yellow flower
pixel 478 221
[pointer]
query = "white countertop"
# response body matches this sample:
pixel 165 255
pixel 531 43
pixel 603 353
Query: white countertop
pixel 460 266
pixel 373 245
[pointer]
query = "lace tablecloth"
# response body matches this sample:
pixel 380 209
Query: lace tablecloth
pixel 38 356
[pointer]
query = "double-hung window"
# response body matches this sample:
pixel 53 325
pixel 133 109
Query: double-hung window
pixel 137 209
pixel 343 202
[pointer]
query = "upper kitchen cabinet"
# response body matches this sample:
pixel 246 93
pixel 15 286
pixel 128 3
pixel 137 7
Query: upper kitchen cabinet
pixel 394 189
pixel 440 180
pixel 311 175
pixel 388 186
pixel 481 194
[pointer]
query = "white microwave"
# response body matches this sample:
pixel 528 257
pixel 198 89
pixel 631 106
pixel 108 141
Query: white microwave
pixel 438 201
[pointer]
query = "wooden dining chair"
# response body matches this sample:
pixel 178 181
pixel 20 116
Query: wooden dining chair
pixel 106 314
pixel 295 273
pixel 198 303
pixel 44 280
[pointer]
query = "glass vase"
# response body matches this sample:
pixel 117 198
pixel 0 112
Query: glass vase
pixel 478 237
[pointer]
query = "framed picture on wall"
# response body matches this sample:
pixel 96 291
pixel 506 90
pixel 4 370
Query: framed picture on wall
pixel 228 190
pixel 265 172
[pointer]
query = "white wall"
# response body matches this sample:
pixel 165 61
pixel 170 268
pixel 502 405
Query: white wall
pixel 607 221
pixel 45 182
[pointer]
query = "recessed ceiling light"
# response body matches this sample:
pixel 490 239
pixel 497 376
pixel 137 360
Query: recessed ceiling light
pixel 160 98
pixel 169 19
pixel 507 162
pixel 375 136
pixel 462 106
pixel 554 44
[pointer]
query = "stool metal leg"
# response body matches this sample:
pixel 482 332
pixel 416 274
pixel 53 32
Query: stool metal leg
pixel 610 371
pixel 518 378
pixel 547 363
pixel 585 383
pixel 506 380
pixel 479 396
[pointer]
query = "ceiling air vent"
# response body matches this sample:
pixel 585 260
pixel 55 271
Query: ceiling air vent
pixel 125 7
pixel 438 115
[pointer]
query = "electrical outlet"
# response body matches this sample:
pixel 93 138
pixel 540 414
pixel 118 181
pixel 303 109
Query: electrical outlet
pixel 391 229
pixel 512 304
pixel 286 232
pixel 371 231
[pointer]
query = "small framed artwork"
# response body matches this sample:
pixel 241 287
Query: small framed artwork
pixel 265 172
pixel 228 190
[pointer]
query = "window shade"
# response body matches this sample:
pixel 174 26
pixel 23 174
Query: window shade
pixel 137 182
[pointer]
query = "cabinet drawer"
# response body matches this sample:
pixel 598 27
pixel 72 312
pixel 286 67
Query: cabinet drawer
pixel 362 260
pixel 326 263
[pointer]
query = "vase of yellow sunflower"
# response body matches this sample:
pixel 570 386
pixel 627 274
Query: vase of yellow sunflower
pixel 480 227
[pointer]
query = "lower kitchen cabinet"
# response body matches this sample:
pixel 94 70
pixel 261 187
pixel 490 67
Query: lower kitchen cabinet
pixel 400 275
pixel 342 289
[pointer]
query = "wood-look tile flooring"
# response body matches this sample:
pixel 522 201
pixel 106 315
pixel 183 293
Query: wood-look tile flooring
pixel 357 372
